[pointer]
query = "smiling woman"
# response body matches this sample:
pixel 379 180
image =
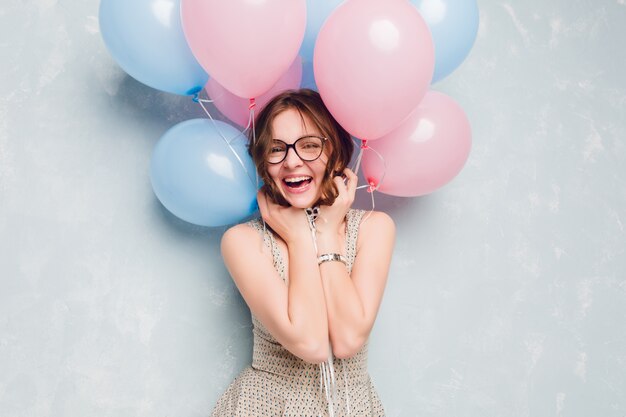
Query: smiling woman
pixel 304 119
pixel 298 180
pixel 313 297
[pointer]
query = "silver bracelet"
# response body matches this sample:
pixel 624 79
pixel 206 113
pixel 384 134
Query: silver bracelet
pixel 327 257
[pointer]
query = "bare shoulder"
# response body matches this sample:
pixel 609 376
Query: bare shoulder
pixel 376 226
pixel 239 237
pixel 249 262
pixel 375 222
pixel 241 230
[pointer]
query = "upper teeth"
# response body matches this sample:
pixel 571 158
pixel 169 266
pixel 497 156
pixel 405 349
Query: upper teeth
pixel 296 179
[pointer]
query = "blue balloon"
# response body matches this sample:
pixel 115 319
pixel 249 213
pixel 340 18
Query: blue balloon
pixel 146 39
pixel 308 77
pixel 454 26
pixel 317 11
pixel 199 178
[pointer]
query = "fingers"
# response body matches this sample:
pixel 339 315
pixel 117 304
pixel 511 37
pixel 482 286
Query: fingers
pixel 339 182
pixel 352 180
pixel 349 183
pixel 266 205
pixel 346 185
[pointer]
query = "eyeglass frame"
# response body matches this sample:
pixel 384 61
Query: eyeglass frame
pixel 293 146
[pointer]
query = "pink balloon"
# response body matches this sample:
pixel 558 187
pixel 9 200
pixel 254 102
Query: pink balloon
pixel 246 45
pixel 424 153
pixel 237 108
pixel 373 63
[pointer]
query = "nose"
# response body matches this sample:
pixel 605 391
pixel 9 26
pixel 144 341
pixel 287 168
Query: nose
pixel 292 159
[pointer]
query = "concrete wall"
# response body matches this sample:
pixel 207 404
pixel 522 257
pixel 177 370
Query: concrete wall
pixel 507 293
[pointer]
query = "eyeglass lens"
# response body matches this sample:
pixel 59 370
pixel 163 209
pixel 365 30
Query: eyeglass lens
pixel 308 148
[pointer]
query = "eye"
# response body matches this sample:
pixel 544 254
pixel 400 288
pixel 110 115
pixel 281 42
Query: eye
pixel 277 149
pixel 310 144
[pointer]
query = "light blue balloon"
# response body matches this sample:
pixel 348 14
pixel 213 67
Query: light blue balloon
pixel 146 39
pixel 308 77
pixel 317 11
pixel 199 178
pixel 454 26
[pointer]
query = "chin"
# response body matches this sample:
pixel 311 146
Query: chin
pixel 300 201
pixel 301 205
pixel 303 200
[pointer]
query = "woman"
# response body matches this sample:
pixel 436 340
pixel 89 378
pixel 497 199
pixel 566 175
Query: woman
pixel 313 288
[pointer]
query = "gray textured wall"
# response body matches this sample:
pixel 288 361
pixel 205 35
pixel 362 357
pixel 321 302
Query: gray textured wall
pixel 507 294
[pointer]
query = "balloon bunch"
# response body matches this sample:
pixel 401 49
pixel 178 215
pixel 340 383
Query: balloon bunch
pixel 372 62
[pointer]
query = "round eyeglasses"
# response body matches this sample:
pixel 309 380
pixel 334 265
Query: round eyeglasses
pixel 308 148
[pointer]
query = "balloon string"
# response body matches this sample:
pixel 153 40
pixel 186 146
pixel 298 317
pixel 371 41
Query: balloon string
pixel 251 124
pixel 201 102
pixel 371 185
pixel 251 107
pixel 357 164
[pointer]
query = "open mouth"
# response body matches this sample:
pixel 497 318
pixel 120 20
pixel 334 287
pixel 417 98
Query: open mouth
pixel 297 182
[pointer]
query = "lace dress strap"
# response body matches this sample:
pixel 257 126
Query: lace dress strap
pixel 353 219
pixel 270 242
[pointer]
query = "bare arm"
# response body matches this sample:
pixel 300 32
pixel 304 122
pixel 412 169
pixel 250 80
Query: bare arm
pixel 352 302
pixel 306 305
pixel 296 314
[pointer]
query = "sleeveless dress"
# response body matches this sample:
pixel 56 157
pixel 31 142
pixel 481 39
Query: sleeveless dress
pixel 279 384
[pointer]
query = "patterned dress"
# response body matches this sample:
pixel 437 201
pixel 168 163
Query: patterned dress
pixel 279 383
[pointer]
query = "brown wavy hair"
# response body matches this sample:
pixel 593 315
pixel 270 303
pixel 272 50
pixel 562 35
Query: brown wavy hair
pixel 338 148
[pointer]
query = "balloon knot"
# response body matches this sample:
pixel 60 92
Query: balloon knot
pixel 372 185
pixel 364 144
pixel 196 97
pixel 252 104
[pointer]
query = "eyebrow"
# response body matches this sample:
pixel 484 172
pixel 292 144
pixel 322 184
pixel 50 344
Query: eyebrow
pixel 317 135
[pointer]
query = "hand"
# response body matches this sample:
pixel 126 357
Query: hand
pixel 331 218
pixel 290 223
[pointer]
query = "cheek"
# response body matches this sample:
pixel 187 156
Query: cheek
pixel 323 159
pixel 320 168
pixel 272 172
